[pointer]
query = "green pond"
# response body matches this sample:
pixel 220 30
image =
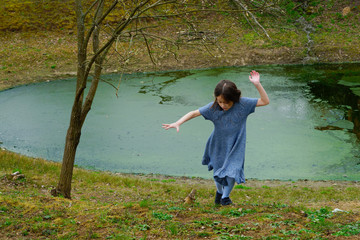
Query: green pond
pixel 310 130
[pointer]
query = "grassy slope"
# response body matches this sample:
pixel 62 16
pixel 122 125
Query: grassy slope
pixel 31 51
pixel 119 206
pixel 114 206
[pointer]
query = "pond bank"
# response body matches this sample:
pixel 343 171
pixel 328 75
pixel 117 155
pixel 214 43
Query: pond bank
pixel 62 58
pixel 45 56
pixel 306 32
pixel 122 206
pixel 29 57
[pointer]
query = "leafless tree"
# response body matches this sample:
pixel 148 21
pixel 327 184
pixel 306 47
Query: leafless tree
pixel 102 28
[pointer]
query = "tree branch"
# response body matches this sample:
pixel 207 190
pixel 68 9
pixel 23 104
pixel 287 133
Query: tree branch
pixel 117 31
pixel 239 3
pixel 148 48
pixel 91 7
pixel 99 21
pixel 112 85
pixel 98 66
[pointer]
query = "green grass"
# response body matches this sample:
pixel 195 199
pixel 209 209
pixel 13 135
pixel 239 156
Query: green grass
pixel 122 206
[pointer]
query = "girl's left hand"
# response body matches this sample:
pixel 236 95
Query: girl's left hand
pixel 172 125
pixel 254 77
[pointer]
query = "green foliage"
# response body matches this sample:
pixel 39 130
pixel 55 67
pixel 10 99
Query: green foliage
pixel 145 203
pixel 175 208
pixel 296 9
pixel 162 216
pixel 129 205
pixel 242 187
pixel 349 230
pixel 250 38
pixel 168 180
pixel 143 227
pixel 3 209
pixel 319 215
pixel 153 180
pixel 204 234
pixel 31 15
pixel 34 15
pixel 17 170
pixel 292 10
pixel 227 236
pixel 320 219
pixel 273 216
pixel 174 228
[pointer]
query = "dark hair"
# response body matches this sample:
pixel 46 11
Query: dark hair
pixel 228 90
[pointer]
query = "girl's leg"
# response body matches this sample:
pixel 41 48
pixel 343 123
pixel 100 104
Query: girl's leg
pixel 219 187
pixel 229 187
pixel 219 192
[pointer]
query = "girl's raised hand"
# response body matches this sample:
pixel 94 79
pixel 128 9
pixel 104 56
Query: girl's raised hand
pixel 172 125
pixel 254 77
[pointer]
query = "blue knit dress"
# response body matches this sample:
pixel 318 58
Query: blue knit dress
pixel 225 148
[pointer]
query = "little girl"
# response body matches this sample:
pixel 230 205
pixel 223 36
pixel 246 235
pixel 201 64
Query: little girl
pixel 225 148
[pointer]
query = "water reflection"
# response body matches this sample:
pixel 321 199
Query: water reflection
pixel 155 87
pixel 336 85
pixel 310 129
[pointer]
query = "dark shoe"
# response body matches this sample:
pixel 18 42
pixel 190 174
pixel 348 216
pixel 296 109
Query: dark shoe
pixel 225 201
pixel 218 198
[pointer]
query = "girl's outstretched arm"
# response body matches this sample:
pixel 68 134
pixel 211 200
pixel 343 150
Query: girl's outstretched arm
pixel 264 98
pixel 186 117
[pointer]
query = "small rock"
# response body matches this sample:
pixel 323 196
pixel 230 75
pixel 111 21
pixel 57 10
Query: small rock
pixel 19 176
pixel 337 210
pixel 15 173
pixel 346 11
pixel 191 197
pixel 311 10
pixel 304 213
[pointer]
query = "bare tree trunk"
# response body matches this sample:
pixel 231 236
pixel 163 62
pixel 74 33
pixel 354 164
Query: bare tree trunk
pixel 74 131
pixel 80 108
pixel 72 140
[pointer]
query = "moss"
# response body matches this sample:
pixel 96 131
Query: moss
pixel 35 15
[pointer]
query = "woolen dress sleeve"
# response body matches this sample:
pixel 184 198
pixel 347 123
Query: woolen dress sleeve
pixel 207 112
